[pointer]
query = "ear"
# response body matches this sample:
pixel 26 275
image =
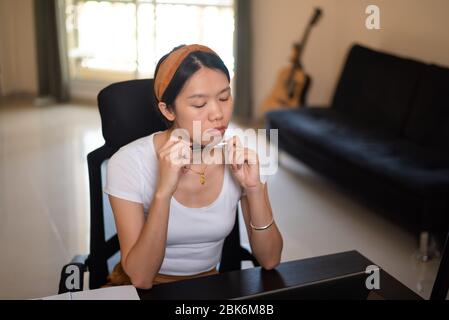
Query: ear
pixel 166 111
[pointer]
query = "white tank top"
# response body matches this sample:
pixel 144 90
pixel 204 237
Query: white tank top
pixel 195 235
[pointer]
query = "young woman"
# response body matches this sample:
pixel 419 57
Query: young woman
pixel 172 216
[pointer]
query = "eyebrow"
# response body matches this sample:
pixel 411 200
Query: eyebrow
pixel 199 95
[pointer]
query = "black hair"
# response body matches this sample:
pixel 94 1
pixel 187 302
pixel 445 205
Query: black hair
pixel 191 64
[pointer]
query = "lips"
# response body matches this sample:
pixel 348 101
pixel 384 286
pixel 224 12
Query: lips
pixel 219 129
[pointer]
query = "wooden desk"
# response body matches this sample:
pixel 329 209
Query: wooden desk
pixel 335 276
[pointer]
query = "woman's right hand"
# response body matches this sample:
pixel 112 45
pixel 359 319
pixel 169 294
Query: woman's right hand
pixel 174 160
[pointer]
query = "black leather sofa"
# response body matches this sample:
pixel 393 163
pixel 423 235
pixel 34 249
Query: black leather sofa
pixel 385 138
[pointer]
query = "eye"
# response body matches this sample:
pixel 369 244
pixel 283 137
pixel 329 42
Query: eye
pixel 225 99
pixel 201 106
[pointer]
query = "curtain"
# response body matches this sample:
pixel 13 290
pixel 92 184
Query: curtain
pixel 243 109
pixel 51 46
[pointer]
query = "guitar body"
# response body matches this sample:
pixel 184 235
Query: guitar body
pixel 285 93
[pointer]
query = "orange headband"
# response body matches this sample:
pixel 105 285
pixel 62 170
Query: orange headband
pixel 170 65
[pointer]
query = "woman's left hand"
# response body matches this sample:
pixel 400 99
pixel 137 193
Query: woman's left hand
pixel 244 164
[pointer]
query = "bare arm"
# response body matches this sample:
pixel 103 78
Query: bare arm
pixel 267 244
pixel 142 242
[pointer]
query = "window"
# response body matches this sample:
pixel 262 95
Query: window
pixel 121 39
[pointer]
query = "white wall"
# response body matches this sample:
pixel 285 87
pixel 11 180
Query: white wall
pixel 18 68
pixel 411 28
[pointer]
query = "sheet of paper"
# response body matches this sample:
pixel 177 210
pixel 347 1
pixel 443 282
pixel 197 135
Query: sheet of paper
pixel 112 293
pixel 64 296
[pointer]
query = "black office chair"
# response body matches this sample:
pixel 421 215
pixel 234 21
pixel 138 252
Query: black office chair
pixel 127 113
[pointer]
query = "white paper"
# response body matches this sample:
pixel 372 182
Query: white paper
pixel 112 293
pixel 64 296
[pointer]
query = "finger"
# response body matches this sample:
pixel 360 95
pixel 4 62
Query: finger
pixel 172 141
pixel 181 144
pixel 239 154
pixel 231 152
pixel 166 149
pixel 169 148
pixel 239 150
pixel 184 153
pixel 235 153
pixel 235 150
pixel 227 151
pixel 228 147
pixel 244 155
pixel 232 141
pixel 187 155
pixel 238 142
pixel 250 157
pixel 231 159
pixel 178 154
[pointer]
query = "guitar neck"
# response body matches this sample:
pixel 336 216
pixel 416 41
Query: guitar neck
pixel 301 45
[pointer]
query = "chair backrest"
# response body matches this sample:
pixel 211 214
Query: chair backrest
pixel 128 113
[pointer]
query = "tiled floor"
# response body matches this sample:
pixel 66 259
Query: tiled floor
pixel 44 205
pixel 43 193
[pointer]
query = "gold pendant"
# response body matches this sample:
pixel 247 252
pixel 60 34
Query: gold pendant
pixel 202 179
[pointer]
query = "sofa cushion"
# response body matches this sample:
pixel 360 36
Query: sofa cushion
pixel 402 162
pixel 428 123
pixel 377 88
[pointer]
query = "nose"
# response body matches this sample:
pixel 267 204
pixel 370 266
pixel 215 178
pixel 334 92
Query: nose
pixel 215 112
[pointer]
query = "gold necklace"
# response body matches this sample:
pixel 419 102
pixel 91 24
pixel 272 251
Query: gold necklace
pixel 202 175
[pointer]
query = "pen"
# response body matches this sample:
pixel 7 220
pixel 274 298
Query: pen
pixel 221 144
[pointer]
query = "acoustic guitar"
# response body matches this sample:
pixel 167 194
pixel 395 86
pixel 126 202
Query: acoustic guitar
pixel 292 84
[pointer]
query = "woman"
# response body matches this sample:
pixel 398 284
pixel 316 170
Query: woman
pixel 172 216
